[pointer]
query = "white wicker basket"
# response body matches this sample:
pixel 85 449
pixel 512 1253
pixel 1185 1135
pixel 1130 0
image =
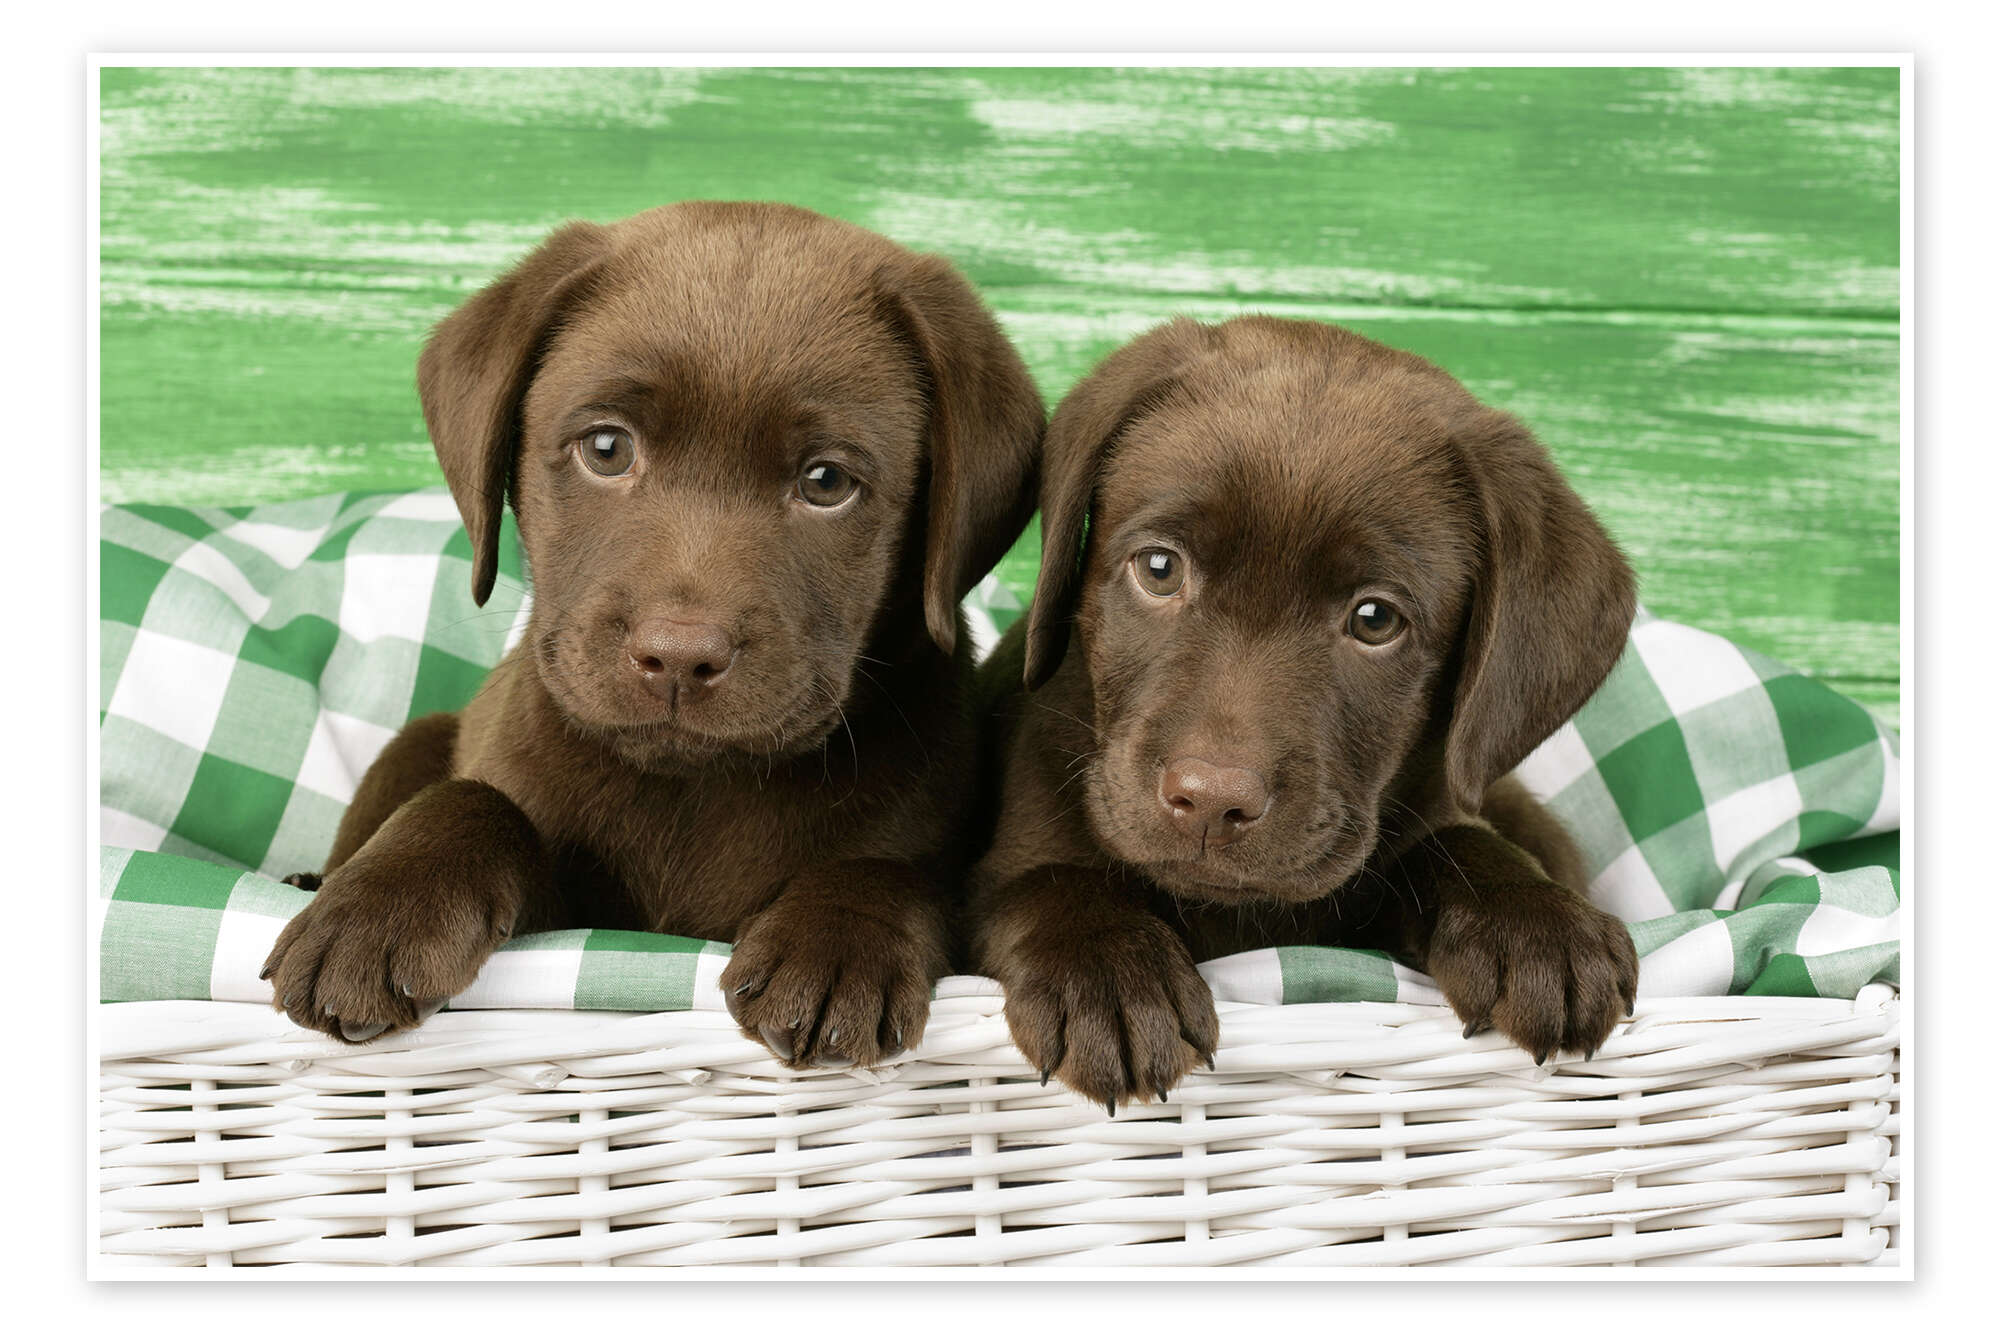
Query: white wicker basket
pixel 1740 1131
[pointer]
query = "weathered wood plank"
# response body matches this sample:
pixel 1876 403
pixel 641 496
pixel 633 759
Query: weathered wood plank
pixel 1684 279
pixel 1758 190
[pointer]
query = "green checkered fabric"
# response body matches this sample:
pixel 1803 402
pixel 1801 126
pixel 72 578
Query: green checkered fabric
pixel 255 660
pixel 1741 817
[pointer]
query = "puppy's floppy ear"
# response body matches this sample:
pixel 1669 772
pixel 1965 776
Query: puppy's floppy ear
pixel 985 423
pixel 1127 384
pixel 1550 610
pixel 475 369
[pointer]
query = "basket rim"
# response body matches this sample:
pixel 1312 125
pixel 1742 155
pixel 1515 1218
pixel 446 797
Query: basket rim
pixel 141 1029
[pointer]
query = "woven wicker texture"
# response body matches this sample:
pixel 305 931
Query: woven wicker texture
pixel 1737 1131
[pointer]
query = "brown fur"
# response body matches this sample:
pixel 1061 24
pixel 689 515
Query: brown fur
pixel 734 715
pixel 1295 471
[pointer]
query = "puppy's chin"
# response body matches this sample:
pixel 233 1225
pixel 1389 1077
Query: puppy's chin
pixel 1209 880
pixel 1277 864
pixel 667 745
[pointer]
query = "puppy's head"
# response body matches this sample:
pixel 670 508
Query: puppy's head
pixel 1319 591
pixel 742 441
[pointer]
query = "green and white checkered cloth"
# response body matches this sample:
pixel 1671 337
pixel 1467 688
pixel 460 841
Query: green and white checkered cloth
pixel 1741 817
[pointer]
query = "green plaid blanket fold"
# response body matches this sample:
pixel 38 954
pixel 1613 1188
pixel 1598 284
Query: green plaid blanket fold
pixel 1739 816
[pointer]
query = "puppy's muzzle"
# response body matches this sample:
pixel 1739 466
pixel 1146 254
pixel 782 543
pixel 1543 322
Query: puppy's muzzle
pixel 1211 803
pixel 681 659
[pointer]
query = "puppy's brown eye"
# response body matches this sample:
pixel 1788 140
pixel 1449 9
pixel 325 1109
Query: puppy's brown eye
pixel 1375 622
pixel 607 451
pixel 825 485
pixel 1159 571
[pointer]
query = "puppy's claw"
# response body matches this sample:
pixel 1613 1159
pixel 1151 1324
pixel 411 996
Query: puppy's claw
pixel 1541 1056
pixel 1111 1106
pixel 1210 1062
pixel 1477 1027
pixel 429 1007
pixel 777 1038
pixel 265 975
pixel 362 1032
pixel 1045 1076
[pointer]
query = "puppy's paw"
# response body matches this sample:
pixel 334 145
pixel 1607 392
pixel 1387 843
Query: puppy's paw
pixel 829 988
pixel 1117 1013
pixel 302 879
pixel 1539 963
pixel 373 953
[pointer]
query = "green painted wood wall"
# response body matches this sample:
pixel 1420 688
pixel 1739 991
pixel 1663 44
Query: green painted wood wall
pixel 1685 279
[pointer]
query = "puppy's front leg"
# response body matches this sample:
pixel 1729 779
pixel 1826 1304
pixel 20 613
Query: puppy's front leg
pixel 417 756
pixel 1509 947
pixel 1101 992
pixel 405 923
pixel 837 971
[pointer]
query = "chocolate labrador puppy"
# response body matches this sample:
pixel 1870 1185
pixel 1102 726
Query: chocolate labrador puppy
pixel 1323 601
pixel 757 457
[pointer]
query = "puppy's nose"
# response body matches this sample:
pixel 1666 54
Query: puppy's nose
pixel 679 654
pixel 1217 805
